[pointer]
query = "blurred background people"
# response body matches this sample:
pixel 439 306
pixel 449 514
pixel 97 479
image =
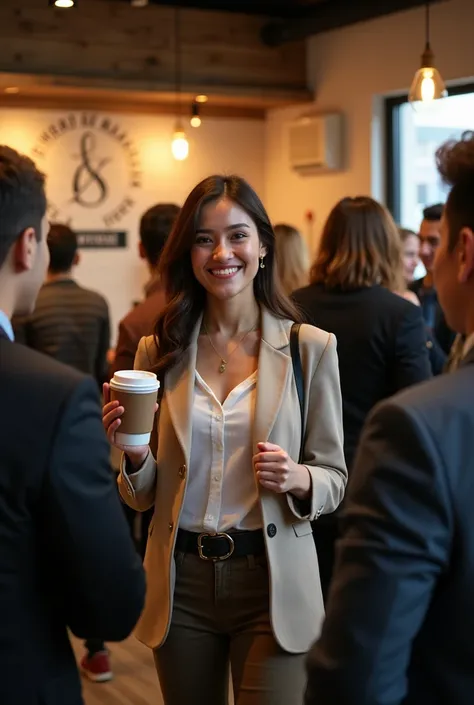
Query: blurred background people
pixel 380 336
pixel 69 323
pixel 66 558
pixel 292 257
pixel 400 621
pixel 442 337
pixel 155 226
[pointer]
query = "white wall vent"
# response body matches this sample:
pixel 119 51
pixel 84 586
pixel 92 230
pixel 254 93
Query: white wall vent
pixel 316 143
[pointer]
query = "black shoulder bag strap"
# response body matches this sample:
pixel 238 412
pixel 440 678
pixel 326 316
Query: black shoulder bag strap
pixel 298 375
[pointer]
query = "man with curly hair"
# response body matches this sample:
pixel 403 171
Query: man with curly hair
pixel 400 617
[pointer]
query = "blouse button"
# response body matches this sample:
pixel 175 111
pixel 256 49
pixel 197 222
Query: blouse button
pixel 271 530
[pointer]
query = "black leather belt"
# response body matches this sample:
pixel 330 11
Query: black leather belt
pixel 221 546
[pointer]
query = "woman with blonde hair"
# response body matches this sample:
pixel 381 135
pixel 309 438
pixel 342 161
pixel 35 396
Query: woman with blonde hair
pixel 241 468
pixel 410 259
pixel 381 336
pixel 292 257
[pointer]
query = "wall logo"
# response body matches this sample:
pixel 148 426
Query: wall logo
pixel 92 165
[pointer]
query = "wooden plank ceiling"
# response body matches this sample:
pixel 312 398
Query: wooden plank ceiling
pixel 106 54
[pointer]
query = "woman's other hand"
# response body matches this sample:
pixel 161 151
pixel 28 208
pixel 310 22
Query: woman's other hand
pixel 277 472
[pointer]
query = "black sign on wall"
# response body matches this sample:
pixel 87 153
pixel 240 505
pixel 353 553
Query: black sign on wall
pixel 101 239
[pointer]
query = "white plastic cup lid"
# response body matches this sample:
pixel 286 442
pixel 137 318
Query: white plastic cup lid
pixel 139 380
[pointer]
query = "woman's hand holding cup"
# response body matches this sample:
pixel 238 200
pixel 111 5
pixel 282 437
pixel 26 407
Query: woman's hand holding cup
pixel 112 419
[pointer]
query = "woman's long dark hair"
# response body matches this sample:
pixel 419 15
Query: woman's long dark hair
pixel 186 296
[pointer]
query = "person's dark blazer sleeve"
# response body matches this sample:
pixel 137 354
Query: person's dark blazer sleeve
pixel 102 367
pixel 126 349
pixel 395 543
pixel 102 582
pixel 438 357
pixel 412 362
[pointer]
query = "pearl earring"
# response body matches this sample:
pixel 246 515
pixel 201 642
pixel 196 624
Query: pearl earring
pixel 262 263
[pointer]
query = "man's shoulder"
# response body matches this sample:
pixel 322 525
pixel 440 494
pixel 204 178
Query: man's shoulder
pixel 93 296
pixel 436 403
pixel 24 366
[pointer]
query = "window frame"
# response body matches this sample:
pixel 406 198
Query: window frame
pixel 392 137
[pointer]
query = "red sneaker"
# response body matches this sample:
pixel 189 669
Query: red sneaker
pixel 97 667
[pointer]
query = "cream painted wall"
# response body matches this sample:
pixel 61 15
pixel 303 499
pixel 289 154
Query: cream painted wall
pixel 218 146
pixel 351 70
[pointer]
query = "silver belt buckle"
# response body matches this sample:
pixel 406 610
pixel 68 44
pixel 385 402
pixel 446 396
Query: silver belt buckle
pixel 217 558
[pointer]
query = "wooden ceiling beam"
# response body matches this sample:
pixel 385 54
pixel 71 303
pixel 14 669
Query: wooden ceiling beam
pixel 113 46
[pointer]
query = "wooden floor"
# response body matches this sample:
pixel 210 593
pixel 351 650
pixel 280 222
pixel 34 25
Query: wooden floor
pixel 135 681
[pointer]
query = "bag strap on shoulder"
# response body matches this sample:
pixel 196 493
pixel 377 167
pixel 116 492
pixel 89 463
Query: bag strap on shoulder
pixel 298 375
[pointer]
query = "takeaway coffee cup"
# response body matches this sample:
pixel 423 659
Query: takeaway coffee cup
pixel 136 390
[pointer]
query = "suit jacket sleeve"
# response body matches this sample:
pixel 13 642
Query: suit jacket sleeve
pixel 323 452
pixel 101 579
pixel 395 544
pixel 412 363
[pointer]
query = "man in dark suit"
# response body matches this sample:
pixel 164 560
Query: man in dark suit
pixel 155 226
pixel 400 618
pixel 66 556
pixel 441 337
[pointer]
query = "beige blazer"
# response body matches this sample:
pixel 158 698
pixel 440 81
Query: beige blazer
pixel 296 601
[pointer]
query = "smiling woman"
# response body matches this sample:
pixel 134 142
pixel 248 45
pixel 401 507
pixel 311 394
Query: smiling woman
pixel 233 485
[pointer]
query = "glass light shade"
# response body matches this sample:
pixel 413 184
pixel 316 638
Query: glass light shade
pixel 180 145
pixel 195 121
pixel 427 84
pixel 64 3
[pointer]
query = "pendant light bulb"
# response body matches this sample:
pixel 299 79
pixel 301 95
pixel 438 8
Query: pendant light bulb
pixel 427 84
pixel 195 117
pixel 179 144
pixel 64 4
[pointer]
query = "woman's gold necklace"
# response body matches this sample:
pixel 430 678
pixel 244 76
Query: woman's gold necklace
pixel 223 365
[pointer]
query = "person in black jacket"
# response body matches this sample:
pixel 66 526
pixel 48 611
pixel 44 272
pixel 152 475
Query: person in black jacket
pixel 400 617
pixel 66 556
pixel 380 336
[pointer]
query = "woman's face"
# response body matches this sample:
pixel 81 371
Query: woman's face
pixel 225 255
pixel 411 257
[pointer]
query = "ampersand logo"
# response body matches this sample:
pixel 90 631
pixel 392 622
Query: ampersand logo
pixel 89 186
pixel 91 163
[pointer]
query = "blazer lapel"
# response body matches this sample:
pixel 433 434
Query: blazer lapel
pixel 274 367
pixel 179 393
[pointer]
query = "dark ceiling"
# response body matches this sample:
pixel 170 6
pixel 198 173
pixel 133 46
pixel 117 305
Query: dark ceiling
pixel 290 20
pixel 271 8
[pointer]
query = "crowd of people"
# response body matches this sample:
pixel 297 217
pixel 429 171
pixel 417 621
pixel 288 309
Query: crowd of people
pixel 308 483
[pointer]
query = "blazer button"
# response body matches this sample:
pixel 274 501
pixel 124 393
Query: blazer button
pixel 271 530
pixel 429 344
pixel 182 471
pixel 170 526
